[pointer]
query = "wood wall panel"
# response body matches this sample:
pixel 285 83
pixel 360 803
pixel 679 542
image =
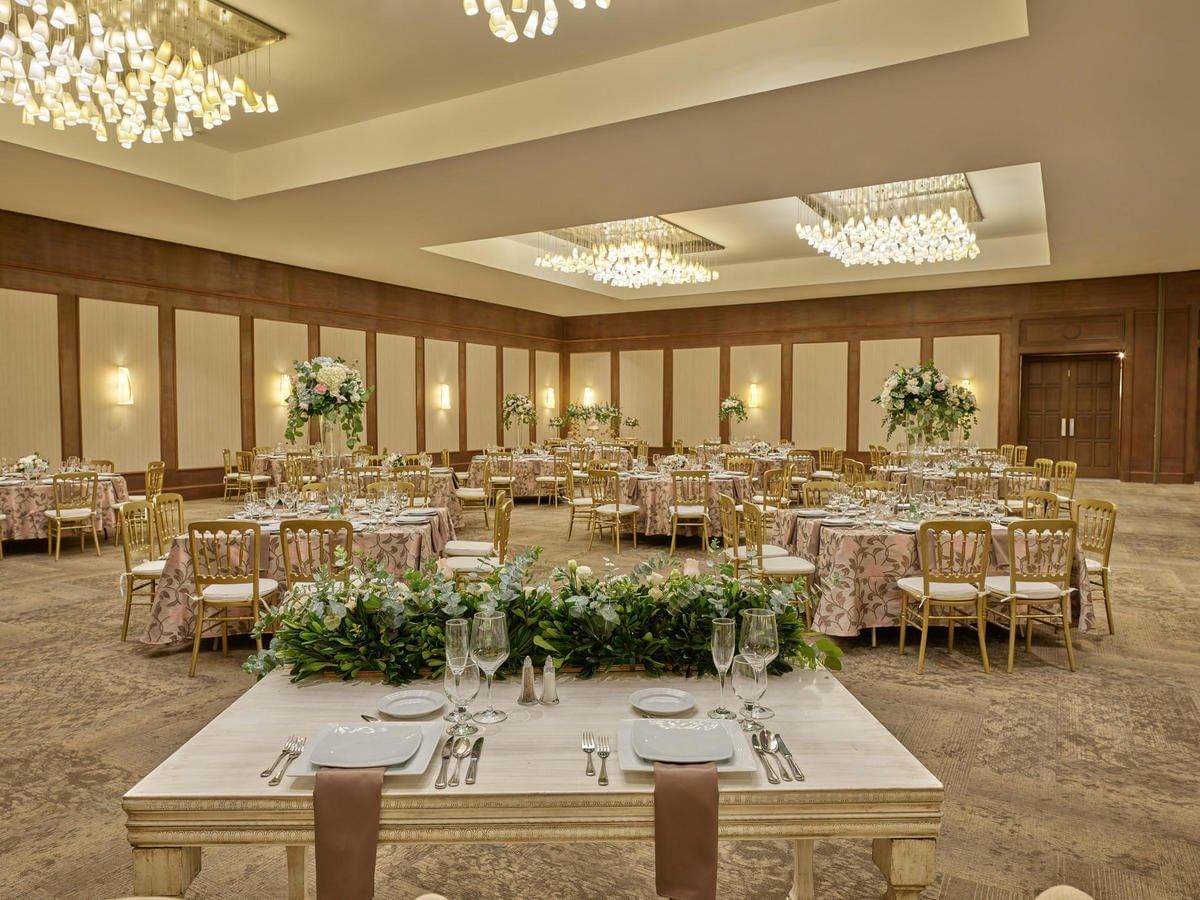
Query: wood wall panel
pixel 756 365
pixel 641 385
pixel 975 357
pixel 594 371
pixel 516 368
pixel 30 401
pixel 277 345
pixel 112 335
pixel 207 387
pixel 819 387
pixel 396 392
pixel 481 396
pixel 696 379
pixel 546 377
pixel 441 367
pixel 877 358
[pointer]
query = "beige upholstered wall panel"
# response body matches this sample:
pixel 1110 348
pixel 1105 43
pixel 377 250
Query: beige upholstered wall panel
pixel 516 381
pixel 441 367
pixel 111 335
pixel 208 387
pixel 481 396
pixel 29 403
pixel 756 365
pixel 876 359
pixel 696 377
pixel 396 391
pixel 350 344
pixel 975 357
pixel 591 370
pixel 276 346
pixel 642 393
pixel 547 378
pixel 819 378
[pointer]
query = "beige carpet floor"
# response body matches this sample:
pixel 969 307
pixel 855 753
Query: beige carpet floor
pixel 1090 778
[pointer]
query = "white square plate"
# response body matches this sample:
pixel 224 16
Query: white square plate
pixel 362 744
pixel 742 760
pixel 431 734
pixel 681 740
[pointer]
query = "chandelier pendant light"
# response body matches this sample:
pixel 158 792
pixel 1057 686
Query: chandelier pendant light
pixel 502 19
pixel 631 253
pixel 924 220
pixel 148 69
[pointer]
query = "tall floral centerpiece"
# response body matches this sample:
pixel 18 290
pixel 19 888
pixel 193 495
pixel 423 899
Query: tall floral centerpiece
pixel 519 409
pixel 331 388
pixel 733 408
pixel 923 403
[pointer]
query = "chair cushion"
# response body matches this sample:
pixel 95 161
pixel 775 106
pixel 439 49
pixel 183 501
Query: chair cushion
pixel 68 514
pixel 257 479
pixel 787 565
pixel 151 568
pixel 1094 565
pixel 620 508
pixel 580 501
pixel 471 565
pixel 551 479
pixel 501 479
pixel 228 593
pixel 914 585
pixel 999 585
pixel 799 479
pixel 770 551
pixel 468 548
pixel 684 509
pixel 469 493
pixel 132 498
pixel 232 476
pixel 823 475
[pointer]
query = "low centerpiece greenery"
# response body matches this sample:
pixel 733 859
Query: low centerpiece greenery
pixel 656 617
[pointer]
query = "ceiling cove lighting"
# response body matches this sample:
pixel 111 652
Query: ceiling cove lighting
pixel 630 253
pixel 925 220
pixel 147 69
pixel 502 21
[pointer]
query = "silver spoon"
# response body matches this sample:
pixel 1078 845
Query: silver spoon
pixel 771 739
pixel 461 748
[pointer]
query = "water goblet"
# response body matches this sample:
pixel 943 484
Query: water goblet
pixel 461 687
pixel 749 684
pixel 489 649
pixel 759 646
pixel 723 642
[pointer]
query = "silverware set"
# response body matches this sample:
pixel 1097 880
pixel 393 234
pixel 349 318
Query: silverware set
pixel 769 745
pixel 601 747
pixel 292 748
pixel 458 749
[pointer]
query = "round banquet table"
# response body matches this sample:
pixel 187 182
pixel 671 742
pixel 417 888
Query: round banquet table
pixel 25 503
pixel 858 567
pixel 274 464
pixel 943 479
pixel 526 470
pixel 441 481
pixel 654 493
pixel 400 548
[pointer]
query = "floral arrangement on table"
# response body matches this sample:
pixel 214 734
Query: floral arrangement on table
pixel 331 388
pixel 34 465
pixel 557 422
pixel 606 413
pixel 674 461
pixel 518 408
pixel 924 404
pixel 631 421
pixel 733 408
pixel 760 448
pixel 655 617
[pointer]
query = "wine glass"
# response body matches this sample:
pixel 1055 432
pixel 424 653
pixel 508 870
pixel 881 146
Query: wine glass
pixel 723 641
pixel 461 687
pixel 489 649
pixel 759 646
pixel 749 684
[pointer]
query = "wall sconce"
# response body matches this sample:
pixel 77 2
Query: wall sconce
pixel 965 384
pixel 589 397
pixel 285 388
pixel 124 387
pixel 548 398
pixel 754 399
pixel 443 396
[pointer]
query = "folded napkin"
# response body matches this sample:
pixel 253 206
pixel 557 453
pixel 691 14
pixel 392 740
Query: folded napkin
pixel 346 809
pixel 685 831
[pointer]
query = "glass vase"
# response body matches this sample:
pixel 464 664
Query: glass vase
pixel 331 441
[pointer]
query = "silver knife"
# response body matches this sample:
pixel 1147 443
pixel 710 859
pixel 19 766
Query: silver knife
pixel 791 761
pixel 475 752
pixel 441 779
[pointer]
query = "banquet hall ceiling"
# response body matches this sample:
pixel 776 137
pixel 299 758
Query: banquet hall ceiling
pixel 433 133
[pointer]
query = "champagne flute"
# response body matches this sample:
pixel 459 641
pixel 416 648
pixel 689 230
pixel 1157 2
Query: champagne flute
pixel 458 655
pixel 489 649
pixel 749 684
pixel 461 687
pixel 723 641
pixel 759 646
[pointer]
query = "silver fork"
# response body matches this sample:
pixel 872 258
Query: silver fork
pixel 604 751
pixel 287 748
pixel 296 750
pixel 589 747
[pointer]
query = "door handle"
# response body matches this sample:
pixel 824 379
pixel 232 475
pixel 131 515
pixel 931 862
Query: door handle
pixel 1072 426
pixel 1064 428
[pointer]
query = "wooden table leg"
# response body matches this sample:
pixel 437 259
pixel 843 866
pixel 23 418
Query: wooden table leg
pixel 164 871
pixel 907 863
pixel 802 880
pixel 296 856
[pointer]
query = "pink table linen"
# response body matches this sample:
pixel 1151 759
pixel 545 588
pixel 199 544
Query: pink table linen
pixel 654 495
pixel 26 503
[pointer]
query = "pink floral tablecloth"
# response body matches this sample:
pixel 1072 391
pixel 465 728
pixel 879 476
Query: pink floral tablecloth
pixel 858 568
pixel 26 503
pixel 441 482
pixel 943 481
pixel 655 494
pixel 399 547
pixel 527 469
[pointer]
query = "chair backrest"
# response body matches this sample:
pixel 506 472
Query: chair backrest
pixel 261 450
pixel 754 525
pixel 102 465
pixel 1041 550
pixel 245 462
pixel 727 510
pixel 298 469
pixel 225 551
pixel 817 493
pixel 954 551
pixel 504 511
pixel 1039 505
pixel 569 474
pixel 1096 521
pixel 854 471
pixel 1044 467
pixel 501 465
pixel 690 487
pixel 739 462
pixel 1020 454
pixel 802 463
pixel 418 476
pixel 1006 450
pixel 75 490
pixel 1063 480
pixel 169 521
pixel 309 544
pixel 137 533
pixel 154 479
pixel 777 486
pixel 975 481
pixel 359 477
pixel 825 456
pixel 1016 480
pixel 317 489
pixel 873 490
pixel 604 485
pixel 878 455
pixel 228 458
pixel 390 485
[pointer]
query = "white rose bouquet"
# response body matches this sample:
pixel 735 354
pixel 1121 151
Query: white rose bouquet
pixel 924 404
pixel 733 408
pixel 518 408
pixel 674 462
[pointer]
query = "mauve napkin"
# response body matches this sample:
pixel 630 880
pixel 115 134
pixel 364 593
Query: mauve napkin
pixel 685 831
pixel 346 809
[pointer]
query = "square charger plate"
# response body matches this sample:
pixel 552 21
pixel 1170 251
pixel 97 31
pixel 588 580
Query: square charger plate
pixel 742 760
pixel 431 742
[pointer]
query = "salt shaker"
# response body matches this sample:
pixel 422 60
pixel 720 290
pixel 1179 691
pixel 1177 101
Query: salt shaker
pixel 549 684
pixel 528 695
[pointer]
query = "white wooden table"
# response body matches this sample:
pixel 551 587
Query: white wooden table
pixel 861 782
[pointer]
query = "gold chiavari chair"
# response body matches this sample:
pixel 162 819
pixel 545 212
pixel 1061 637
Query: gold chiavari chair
pixel 475 497
pixel 1097 521
pixel 498 476
pixel 358 478
pixel 741 463
pixel 169 521
pixel 818 493
pixel 76 496
pixel 419 476
pixel 1062 482
pixel 1006 450
pixel 874 490
pixel 878 455
pixel 444 458
pixel 580 457
pixel 952 586
pixel 689 503
pixel 231 481
pixel 225 555
pixel 102 466
pixel 262 450
pixel 579 502
pixel 677 446
pixel 247 481
pixel 1044 468
pixel 1037 587
pixel 973 482
pixel 481 549
pixel 776 489
pixel 312 544
pixel 736 553
pixel 469 567
pixel 829 462
pixel 299 470
pixel 153 484
pixel 770 565
pixel 552 486
pixel 802 463
pixel 1039 505
pixel 404 490
pixel 608 508
pixel 1014 482
pixel 853 471
pixel 143 568
pixel 361 455
pixel 314 491
pixel 1020 454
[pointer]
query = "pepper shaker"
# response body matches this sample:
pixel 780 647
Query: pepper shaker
pixel 528 694
pixel 549 683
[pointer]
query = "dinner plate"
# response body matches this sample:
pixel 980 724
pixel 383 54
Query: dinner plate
pixel 837 522
pixel 431 741
pixel 905 527
pixel 662 701
pixel 812 513
pixel 741 760
pixel 681 740
pixel 421 511
pixel 411 704
pixel 361 745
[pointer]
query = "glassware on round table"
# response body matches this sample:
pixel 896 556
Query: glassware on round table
pixel 489 649
pixel 723 644
pixel 759 646
pixel 749 684
pixel 461 687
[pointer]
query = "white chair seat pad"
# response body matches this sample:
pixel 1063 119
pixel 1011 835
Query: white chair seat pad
pixel 469 493
pixel 500 479
pixel 770 551
pixel 468 548
pixel 580 501
pixel 914 585
pixel 132 498
pixel 823 474
pixel 1094 565
pixel 1000 585
pixel 787 565
pixel 151 568
pixel 68 514
pixel 551 479
pixel 257 479
pixel 228 593
pixel 685 509
pixel 472 565
pixel 617 508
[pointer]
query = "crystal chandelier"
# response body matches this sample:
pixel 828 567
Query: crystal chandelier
pixel 503 25
pixel 146 68
pixel 925 220
pixel 631 253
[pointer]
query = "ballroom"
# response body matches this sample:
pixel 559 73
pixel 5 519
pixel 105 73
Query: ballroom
pixel 599 449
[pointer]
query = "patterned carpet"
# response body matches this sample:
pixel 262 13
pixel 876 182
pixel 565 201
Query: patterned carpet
pixel 1090 778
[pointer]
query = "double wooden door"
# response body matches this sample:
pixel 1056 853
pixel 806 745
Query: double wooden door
pixel 1070 409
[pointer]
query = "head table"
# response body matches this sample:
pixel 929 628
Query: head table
pixel 399 547
pixel 25 503
pixel 861 783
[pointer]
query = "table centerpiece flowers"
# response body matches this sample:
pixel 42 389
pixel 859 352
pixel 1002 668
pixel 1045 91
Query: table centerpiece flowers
pixel 631 421
pixel 923 403
pixel 673 462
pixel 518 408
pixel 33 465
pixel 331 388
pixel 733 408
pixel 760 448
